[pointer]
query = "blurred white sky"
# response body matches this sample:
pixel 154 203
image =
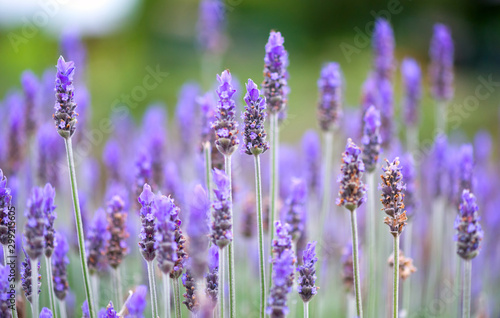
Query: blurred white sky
pixel 86 17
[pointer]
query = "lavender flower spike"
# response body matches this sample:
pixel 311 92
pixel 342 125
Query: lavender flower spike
pixel 165 243
pixel 221 232
pixel 466 170
pixel 117 218
pixel 109 312
pixel 469 231
pixel 225 125
pixel 65 115
pixel 35 227
pixel 49 194
pixel 282 271
pixel 5 289
pixel 212 277
pixel 254 135
pixel 97 240
pixel 275 86
pixel 371 138
pixel 198 231
pixel 211 25
pixel 46 313
pixel 147 242
pixel 330 86
pixel 412 81
pixel 26 271
pixel 383 47
pixel 311 147
pixel 352 189
pixel 59 263
pixel 30 88
pixel 307 273
pixel 283 239
pixel 441 68
pixel 392 197
pixel 295 208
pixel 190 299
pixel 5 205
pixel 137 302
pixel 410 174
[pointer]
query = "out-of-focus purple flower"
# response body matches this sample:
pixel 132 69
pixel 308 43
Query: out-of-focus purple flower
pixel 311 148
pixel 438 164
pixel 330 86
pixel 85 309
pixel 248 216
pixel 59 263
pixel 45 313
pixel 369 94
pixel 347 269
pixel 97 240
pixel 295 208
pixel 207 110
pixel 392 197
pixel 190 297
pixel 116 248
pixel 16 135
pixel 212 276
pixel 210 27
pixel 5 206
pixel 275 86
pixel 410 174
pixel 5 290
pixel 108 312
pixel 386 108
pixel 482 145
pixel 147 242
pixel 281 276
pixel 383 49
pixel 441 69
pixel 50 152
pixel 173 182
pixel 112 158
pixel 35 228
pixel 352 192
pixel 143 167
pixel 154 128
pixel 137 302
pixel 283 240
pixel 225 125
pixel 83 100
pixel 307 273
pixel 469 232
pixel 465 170
pixel 198 230
pixel 26 276
pixel 222 225
pixel 73 48
pixel 254 135
pixel 65 115
pixel 412 82
pixel 371 138
pixel 31 87
pixel 49 194
pixel 185 114
pixel 165 242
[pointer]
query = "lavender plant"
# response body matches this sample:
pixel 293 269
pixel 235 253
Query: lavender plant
pixel 307 276
pixel 212 277
pixel 5 305
pixel 282 284
pixel 136 304
pixel 412 82
pixel 59 265
pixel 5 221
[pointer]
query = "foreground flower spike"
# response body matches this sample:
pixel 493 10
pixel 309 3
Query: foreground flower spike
pixel 221 232
pixel 212 276
pixel 48 207
pixel 26 277
pixel 147 241
pixel 307 273
pixel 5 206
pixel 46 313
pixel 60 262
pixel 166 245
pixel 275 86
pixel 31 87
pixel 5 311
pixel 282 272
pixel 441 69
pixel 97 240
pixel 295 208
pixel 198 231
pixel 352 191
pixel 383 49
pixel 190 299
pixel 283 240
pixel 210 25
pixel 65 115
pixel 406 267
pixel 225 125
pixel 137 302
pixel 330 86
pixel 371 139
pixel 412 82
pixel 392 197
pixel 254 135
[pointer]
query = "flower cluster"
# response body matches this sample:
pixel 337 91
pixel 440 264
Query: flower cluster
pixel 26 276
pixel 65 115
pixel 59 263
pixel 225 125
pixel 441 68
pixel 48 207
pixel 383 49
pixel 45 313
pixel 282 271
pixel 371 138
pixel 5 204
pixel 412 80
pixel 137 302
pixel 295 208
pixel 212 277
pixel 410 196
pixel 166 233
pixel 35 228
pixel 96 242
pixel 147 241
pixel 307 273
pixel 190 299
pixel 392 197
pixel 198 231
pixel 4 292
pixel 116 248
pixel 469 232
pixel 352 189
pixel 221 233
pixel 254 135
pixel 275 85
pixel 330 86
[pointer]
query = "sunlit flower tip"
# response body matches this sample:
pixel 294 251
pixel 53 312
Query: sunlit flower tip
pixel 412 81
pixel 295 208
pixel 441 69
pixel 406 267
pixel 26 276
pixel 282 271
pixel 275 87
pixel 371 138
pixel 392 197
pixel 190 298
pixel 212 276
pixel 469 231
pixel 307 273
pixel 117 217
pixel 225 125
pixel 96 242
pixel 166 232
pixel 65 115
pixel 5 205
pixel 352 192
pixel 383 47
pixel 221 232
pixel 254 135
pixel 46 313
pixel 60 262
pixel 330 86
pixel 147 242
pixel 137 302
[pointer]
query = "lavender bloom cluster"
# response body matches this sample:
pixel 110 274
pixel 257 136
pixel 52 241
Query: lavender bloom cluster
pixel 295 208
pixel 5 311
pixel 116 248
pixel 307 273
pixel 221 232
pixel 225 125
pixel 165 241
pixel 5 204
pixel 469 231
pixel 275 85
pixel 97 240
pixel 65 115
pixel 371 138
pixel 254 135
pixel 147 241
pixel 198 231
pixel 190 299
pixel 26 276
pixel 212 276
pixel 45 313
pixel 330 86
pixel 412 81
pixel 383 48
pixel 352 192
pixel 48 207
pixel 38 230
pixel 59 263
pixel 392 197
pixel 282 271
pixel 441 68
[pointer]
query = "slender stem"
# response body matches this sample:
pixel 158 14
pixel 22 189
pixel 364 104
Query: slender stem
pixel 95 287
pixel 50 284
pixel 232 287
pixel 221 281
pixel 306 310
pixel 152 288
pixel 62 309
pixel 79 226
pixel 177 298
pixel 357 285
pixel 396 276
pixel 208 168
pixel 5 254
pixel 118 287
pixel 406 285
pixel 34 287
pixel 273 195
pixel 441 111
pixel 467 288
pixel 438 215
pixel 258 191
pixel 166 294
pixel 371 237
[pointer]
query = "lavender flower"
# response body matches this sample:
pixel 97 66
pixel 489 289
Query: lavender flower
pixel 307 273
pixel 225 125
pixel 438 164
pixel 369 95
pixel 50 152
pixel 469 232
pixel 5 292
pixel 137 302
pixel 254 135
pixel 48 207
pixel 212 277
pixel 111 157
pixel 65 115
pixel 275 86
pixel 73 47
pixel 35 228
pixel 283 240
pixel 347 269
pixel 248 216
pixel 97 240
pixel 392 197
pixel 386 107
pixel 153 125
pixel 190 299
pixel 198 231
pixel 108 312
pixel 295 208
pixel 441 68
pixel 45 313
pixel 221 233
pixel 147 242
pixel 85 309
pixel 26 276
pixel 5 205
pixel 207 110
pixel 412 81
pixel 116 248
pixel 210 25
pixel 16 137
pixel 144 172
pixel 330 86
pixel 185 111
pixel 31 87
pixel 410 197
pixel 311 148
pixel 465 169
pixel 352 189
pixel 371 139
pixel 383 49
pixel 282 272
pixel 60 262
pixel 166 212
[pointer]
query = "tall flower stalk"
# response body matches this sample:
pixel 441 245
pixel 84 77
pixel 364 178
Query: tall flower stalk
pixel 65 121
pixel 351 195
pixel 254 144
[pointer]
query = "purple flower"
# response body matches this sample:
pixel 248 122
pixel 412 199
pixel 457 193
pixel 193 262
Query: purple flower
pixel 109 312
pixel 307 273
pixel 282 286
pixel 439 161
pixel 311 148
pixel 225 125
pixel 143 167
pixel 35 228
pixel 97 240
pixel 392 197
pixel 116 248
pixel 212 276
pixel 5 292
pixel 483 146
pixel 210 27
pixel 465 169
pixel 383 49
pixel 371 138
pixel 254 135
pixel 85 309
pixel 369 94
pixel 412 82
pixel 222 225
pixel 275 85
pixel 198 230
pixel 410 173
pixel 283 240
pixel 26 276
pixel 60 262
pixel 137 302
pixel 73 48
pixel 386 108
pixel 45 313
pixel 31 87
pixel 185 114
pixel 16 137
pixel 207 110
pixel 352 189
pixel 330 86
pixel 295 208
pixel 49 194
pixel 153 126
pixel 65 115
pixel 147 241
pixel 50 152
pixel 441 68
pixel 347 268
pixel 469 232
pixel 190 298
pixel 165 241
pixel 5 206
pixel 112 158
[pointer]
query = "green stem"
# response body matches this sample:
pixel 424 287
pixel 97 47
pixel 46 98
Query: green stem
pixel 396 276
pixel 50 284
pixel 258 191
pixel 5 254
pixel 208 168
pixel 166 294
pixel 467 288
pixel 371 228
pixel 232 287
pixel 306 310
pixel 34 287
pixel 406 285
pixel 152 288
pixel 94 279
pixel 79 225
pixel 221 281
pixel 458 286
pixel 357 285
pixel 177 298
pixel 62 309
pixel 118 287
pixel 441 111
pixel 438 215
pixel 273 195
